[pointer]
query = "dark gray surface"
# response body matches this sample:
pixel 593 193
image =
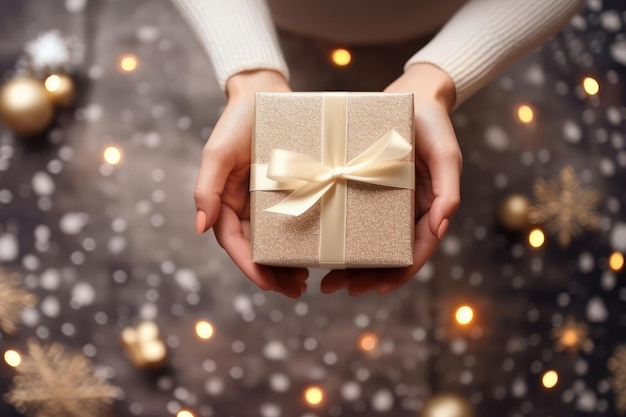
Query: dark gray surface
pixel 147 262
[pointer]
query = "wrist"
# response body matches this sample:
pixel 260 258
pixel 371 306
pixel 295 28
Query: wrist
pixel 432 82
pixel 246 84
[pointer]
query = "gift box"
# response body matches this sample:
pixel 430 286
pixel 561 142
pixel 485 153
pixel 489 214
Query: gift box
pixel 332 180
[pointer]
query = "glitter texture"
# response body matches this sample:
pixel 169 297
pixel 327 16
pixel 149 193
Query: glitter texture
pixel 380 220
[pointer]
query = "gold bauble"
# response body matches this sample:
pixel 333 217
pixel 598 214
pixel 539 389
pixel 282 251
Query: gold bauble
pixel 144 345
pixel 24 106
pixel 447 405
pixel 513 212
pixel 60 89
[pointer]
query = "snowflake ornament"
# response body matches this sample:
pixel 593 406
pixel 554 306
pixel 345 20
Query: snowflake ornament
pixel 49 52
pixel 13 299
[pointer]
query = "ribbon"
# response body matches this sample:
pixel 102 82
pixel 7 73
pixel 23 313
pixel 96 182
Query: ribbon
pixel 326 180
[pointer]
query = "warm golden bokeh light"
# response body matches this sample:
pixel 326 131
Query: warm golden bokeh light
pixel 341 57
pixel 368 342
pixel 53 83
pixel 569 338
pixel 313 395
pixel 12 358
pixel 550 379
pixel 184 413
pixel 464 315
pixel 591 86
pixel 128 63
pixel 536 238
pixel 525 113
pixel 112 155
pixel 204 330
pixel 616 261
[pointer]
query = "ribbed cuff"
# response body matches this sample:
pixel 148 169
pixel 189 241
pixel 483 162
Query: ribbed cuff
pixel 486 36
pixel 239 35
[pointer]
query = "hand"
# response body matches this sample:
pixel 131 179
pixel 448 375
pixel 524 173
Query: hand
pixel 437 185
pixel 221 192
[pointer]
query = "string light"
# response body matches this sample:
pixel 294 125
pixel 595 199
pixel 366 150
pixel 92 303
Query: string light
pixel 368 342
pixel 341 57
pixel 112 155
pixel 184 413
pixel 525 113
pixel 12 358
pixel 204 330
pixel 569 338
pixel 550 379
pixel 591 86
pixel 128 63
pixel 313 395
pixel 464 315
pixel 536 238
pixel 616 261
pixel 52 83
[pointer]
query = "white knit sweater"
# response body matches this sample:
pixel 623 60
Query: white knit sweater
pixel 476 39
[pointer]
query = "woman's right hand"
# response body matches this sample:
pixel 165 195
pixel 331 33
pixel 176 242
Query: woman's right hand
pixel 221 192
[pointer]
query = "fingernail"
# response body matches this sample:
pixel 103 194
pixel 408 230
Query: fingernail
pixel 443 228
pixel 200 222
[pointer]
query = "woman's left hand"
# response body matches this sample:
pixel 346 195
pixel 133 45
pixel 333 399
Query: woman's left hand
pixel 437 184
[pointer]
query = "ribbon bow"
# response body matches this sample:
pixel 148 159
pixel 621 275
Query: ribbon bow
pixel 379 164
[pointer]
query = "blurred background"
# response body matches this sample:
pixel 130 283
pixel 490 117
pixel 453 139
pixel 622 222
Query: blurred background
pixel 110 305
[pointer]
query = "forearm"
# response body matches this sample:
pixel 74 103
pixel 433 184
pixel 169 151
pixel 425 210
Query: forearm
pixel 238 35
pixel 486 36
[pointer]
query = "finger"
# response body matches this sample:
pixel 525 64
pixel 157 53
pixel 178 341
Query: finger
pixel 291 281
pixel 444 163
pixel 425 246
pixel 229 234
pixel 335 281
pixel 365 282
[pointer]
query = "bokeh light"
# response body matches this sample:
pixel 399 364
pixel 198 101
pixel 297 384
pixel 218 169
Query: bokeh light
pixel 204 330
pixel 464 315
pixel 368 342
pixel 184 413
pixel 616 261
pixel 52 83
pixel 550 379
pixel 128 63
pixel 12 358
pixel 341 57
pixel 536 238
pixel 112 155
pixel 569 338
pixel 313 395
pixel 525 113
pixel 591 86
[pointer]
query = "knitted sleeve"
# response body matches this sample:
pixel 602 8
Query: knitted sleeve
pixel 239 35
pixel 485 36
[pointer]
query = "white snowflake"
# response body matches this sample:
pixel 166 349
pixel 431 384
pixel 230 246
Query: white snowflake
pixel 48 51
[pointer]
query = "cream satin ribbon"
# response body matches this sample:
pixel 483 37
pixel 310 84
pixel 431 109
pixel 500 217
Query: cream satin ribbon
pixel 327 180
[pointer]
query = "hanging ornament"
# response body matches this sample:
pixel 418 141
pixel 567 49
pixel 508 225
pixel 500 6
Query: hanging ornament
pixel 144 346
pixel 13 299
pixel 25 106
pixel 617 366
pixel 53 383
pixel 513 212
pixel 60 89
pixel 447 405
pixel 564 207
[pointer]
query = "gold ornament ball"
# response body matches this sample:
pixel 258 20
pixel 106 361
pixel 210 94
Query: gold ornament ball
pixel 60 89
pixel 513 212
pixel 25 107
pixel 447 405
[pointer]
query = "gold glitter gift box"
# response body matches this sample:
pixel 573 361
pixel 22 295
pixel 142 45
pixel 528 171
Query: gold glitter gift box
pixel 332 180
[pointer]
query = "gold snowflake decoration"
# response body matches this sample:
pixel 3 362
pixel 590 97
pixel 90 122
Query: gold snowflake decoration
pixel 617 366
pixel 564 206
pixel 572 336
pixel 13 299
pixel 53 383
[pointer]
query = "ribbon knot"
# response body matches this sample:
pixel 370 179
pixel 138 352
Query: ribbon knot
pixel 380 164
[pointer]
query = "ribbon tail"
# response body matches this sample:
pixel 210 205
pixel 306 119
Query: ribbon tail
pixel 301 199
